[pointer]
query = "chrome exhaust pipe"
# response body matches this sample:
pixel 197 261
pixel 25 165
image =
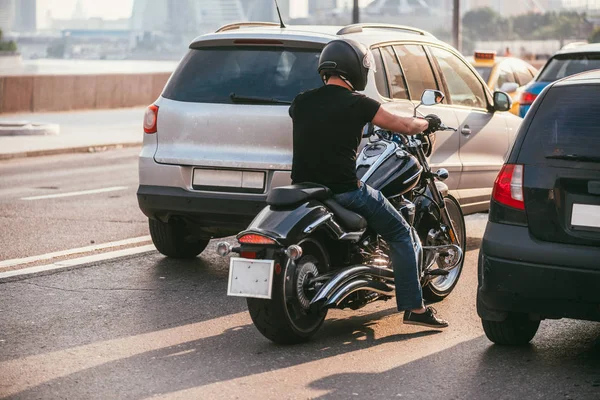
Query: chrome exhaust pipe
pixel 356 285
pixel 348 274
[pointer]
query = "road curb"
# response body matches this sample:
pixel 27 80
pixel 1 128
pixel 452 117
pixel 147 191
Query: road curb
pixel 66 150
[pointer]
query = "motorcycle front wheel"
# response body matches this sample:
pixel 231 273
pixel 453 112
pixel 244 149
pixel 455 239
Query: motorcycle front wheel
pixel 287 317
pixel 440 287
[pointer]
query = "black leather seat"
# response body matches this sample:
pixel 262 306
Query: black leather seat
pixel 286 196
pixel 349 220
pixel 295 194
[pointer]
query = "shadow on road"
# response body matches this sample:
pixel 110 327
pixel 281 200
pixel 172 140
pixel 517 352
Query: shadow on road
pixel 557 366
pixel 237 352
pixel 112 300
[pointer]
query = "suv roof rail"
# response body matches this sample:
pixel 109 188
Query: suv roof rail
pixel 355 28
pixel 238 25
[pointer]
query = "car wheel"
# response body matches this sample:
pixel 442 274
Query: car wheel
pixel 516 329
pixel 173 239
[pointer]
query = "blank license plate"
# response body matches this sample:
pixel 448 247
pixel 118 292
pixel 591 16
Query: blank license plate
pixel 250 278
pixel 586 215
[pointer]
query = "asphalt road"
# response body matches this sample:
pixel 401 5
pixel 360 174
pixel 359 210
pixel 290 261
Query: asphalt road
pixel 147 326
pixel 43 225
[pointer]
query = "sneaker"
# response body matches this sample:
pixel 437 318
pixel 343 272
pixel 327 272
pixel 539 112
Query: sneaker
pixel 428 318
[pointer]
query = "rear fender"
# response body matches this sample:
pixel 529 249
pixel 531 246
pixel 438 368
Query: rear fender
pixel 287 226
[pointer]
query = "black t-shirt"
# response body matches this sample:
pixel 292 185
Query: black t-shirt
pixel 328 124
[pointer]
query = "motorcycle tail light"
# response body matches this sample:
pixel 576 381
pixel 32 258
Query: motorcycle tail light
pixel 527 98
pixel 248 254
pixel 252 238
pixel 508 187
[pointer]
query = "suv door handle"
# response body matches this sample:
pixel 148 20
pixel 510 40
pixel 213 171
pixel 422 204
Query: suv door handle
pixel 466 130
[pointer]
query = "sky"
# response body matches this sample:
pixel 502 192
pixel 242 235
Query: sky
pixel 112 9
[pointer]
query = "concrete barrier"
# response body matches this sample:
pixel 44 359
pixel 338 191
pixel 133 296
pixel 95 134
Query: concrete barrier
pixel 38 93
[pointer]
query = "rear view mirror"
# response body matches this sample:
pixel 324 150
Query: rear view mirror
pixel 431 97
pixel 368 130
pixel 502 101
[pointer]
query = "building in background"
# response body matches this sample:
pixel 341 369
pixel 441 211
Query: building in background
pixel 25 16
pixel 510 8
pixel 264 10
pixel 317 8
pixel 7 15
pixel 184 17
pixel 582 5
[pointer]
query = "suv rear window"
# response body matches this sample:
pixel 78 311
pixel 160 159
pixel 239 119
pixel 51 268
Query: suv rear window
pixel 565 65
pixel 566 124
pixel 211 75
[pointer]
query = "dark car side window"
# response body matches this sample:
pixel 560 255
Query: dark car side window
pixel 564 65
pixel 566 123
pixel 395 74
pixel 464 86
pixel 417 69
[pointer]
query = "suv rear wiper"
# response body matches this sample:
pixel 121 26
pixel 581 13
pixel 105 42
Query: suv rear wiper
pixel 575 157
pixel 256 100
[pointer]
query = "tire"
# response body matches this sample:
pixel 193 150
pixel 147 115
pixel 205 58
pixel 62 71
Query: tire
pixel 515 330
pixel 282 319
pixel 439 288
pixel 173 239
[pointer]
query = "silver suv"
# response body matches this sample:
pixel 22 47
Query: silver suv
pixel 219 137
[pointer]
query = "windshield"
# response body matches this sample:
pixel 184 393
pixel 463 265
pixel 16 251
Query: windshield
pixel 567 123
pixel 484 72
pixel 212 75
pixel 565 65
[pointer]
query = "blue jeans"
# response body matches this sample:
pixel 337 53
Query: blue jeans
pixel 384 219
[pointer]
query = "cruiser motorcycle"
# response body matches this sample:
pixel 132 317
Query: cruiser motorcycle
pixel 304 253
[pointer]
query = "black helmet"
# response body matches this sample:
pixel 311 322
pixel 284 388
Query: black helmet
pixel 347 59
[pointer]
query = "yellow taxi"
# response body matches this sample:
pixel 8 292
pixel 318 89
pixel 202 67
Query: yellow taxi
pixel 508 74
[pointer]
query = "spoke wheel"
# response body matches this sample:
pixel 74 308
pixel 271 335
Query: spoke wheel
pixel 441 286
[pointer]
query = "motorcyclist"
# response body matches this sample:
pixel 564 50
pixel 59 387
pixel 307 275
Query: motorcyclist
pixel 327 127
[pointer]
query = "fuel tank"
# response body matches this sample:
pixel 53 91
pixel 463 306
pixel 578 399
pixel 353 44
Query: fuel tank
pixel 386 167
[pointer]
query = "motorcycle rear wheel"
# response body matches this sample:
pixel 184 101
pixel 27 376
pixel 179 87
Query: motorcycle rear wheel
pixel 284 319
pixel 442 286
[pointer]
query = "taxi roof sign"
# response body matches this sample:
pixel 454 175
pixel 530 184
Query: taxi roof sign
pixel 485 55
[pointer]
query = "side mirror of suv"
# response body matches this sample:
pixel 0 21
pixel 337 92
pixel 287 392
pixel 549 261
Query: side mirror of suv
pixel 502 101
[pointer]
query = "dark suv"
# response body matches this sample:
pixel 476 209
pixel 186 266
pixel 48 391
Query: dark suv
pixel 540 255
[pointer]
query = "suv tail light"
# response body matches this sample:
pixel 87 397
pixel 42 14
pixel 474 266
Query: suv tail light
pixel 252 238
pixel 508 187
pixel 151 119
pixel 527 98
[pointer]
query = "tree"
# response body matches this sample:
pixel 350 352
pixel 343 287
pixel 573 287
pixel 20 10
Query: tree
pixel 525 25
pixel 484 24
pixel 595 37
pixel 563 25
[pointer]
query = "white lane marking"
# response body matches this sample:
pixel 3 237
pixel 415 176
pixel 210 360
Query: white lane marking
pixel 80 193
pixel 77 261
pixel 48 256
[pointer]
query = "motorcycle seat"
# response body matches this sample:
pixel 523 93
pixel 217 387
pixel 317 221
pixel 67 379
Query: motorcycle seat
pixel 349 220
pixel 295 194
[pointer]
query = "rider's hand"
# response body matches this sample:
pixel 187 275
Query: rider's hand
pixel 434 123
